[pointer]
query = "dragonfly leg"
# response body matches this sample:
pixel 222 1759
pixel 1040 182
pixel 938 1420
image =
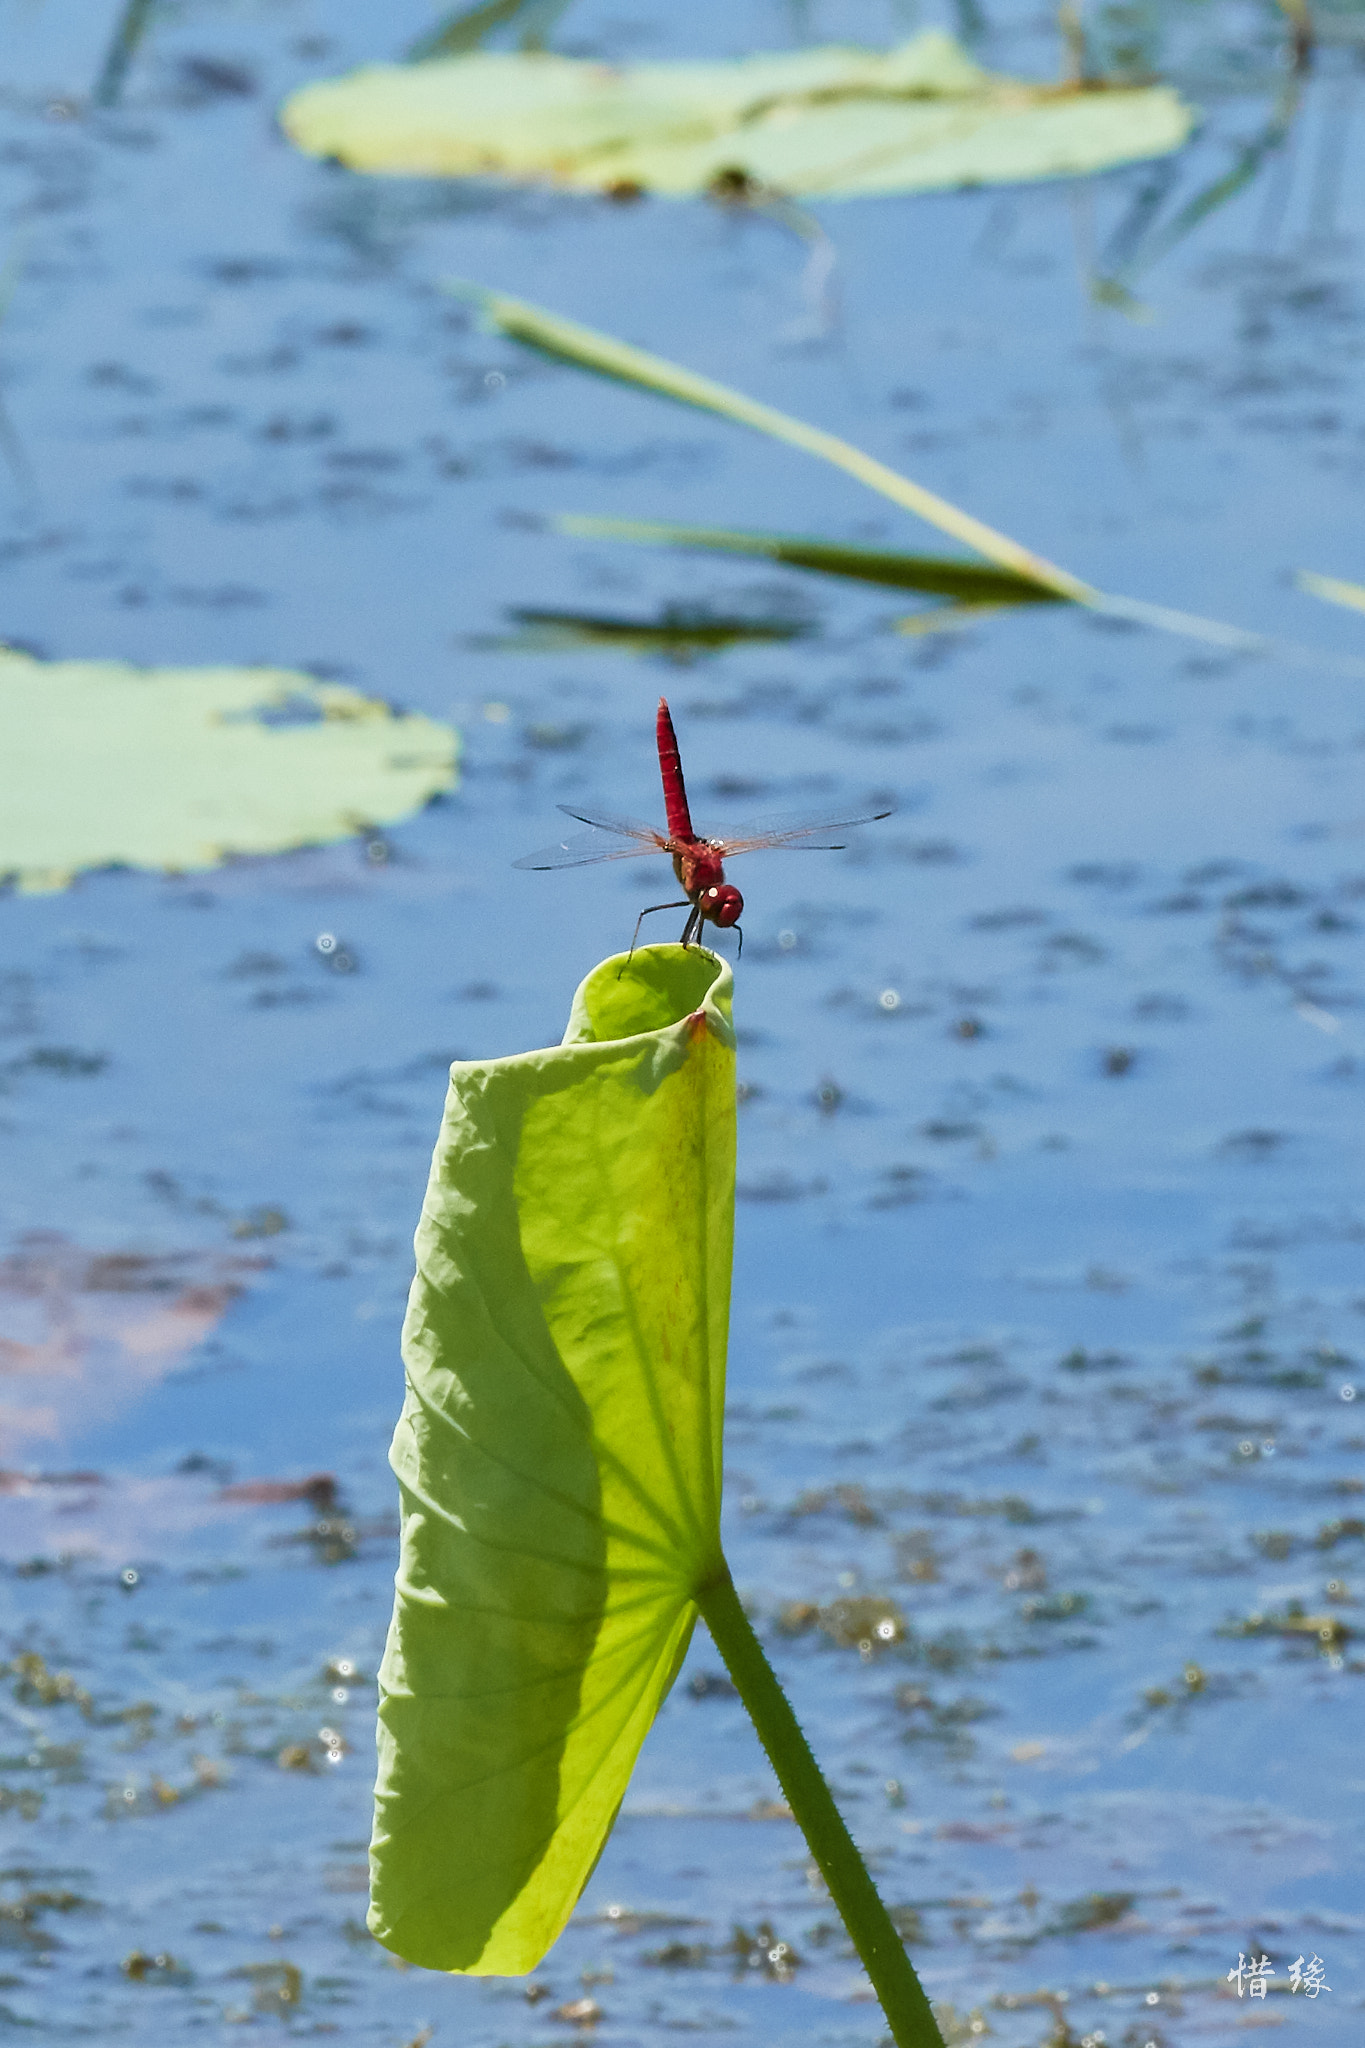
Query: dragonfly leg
pixel 692 929
pixel 635 937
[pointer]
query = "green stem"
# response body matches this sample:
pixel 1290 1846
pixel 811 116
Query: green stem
pixel 907 2010
pixel 133 25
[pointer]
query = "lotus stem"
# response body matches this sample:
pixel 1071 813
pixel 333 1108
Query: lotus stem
pixel 907 2009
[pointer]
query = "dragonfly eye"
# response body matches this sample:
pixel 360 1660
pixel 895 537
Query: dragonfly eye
pixel 724 904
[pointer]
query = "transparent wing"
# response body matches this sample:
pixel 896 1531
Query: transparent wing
pixel 794 831
pixel 581 849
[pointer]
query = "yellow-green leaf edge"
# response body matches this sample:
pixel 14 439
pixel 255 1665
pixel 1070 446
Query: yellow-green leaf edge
pixel 558 1456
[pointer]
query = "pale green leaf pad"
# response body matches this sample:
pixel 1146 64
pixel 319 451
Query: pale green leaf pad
pixel 558 1455
pixel 107 765
pixel 832 122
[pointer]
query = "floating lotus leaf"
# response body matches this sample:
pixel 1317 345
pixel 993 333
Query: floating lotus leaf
pixel 559 1456
pixel 176 768
pixel 832 122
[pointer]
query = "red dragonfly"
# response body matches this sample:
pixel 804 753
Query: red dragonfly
pixel 698 863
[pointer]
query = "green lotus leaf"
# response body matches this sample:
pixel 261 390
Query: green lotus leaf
pixel 558 1456
pixel 833 122
pixel 177 768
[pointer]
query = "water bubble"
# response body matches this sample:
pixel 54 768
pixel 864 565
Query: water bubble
pixel 494 380
pixel 1348 1392
pixel 340 1695
pixel 890 999
pixel 1268 1448
pixel 128 1578
pixel 886 1629
pixel 787 941
pixel 326 942
pixel 615 1912
pixel 129 1794
pixel 1247 1448
pixel 1153 1998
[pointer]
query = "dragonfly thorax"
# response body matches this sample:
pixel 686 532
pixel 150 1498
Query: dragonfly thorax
pixel 699 866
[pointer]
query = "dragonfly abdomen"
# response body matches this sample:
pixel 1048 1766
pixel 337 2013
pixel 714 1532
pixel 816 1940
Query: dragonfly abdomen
pixel 670 768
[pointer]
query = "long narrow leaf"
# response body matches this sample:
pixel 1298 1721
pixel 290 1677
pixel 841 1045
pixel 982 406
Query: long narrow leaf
pixel 570 342
pixel 465 29
pixel 1332 590
pixel 133 24
pixel 935 575
pixel 586 349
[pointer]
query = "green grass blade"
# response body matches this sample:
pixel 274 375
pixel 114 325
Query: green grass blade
pixel 566 341
pixel 465 30
pixel 936 576
pixel 1331 589
pixel 133 25
pixel 558 1455
pixel 588 350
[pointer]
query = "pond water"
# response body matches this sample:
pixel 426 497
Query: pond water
pixel 1044 1474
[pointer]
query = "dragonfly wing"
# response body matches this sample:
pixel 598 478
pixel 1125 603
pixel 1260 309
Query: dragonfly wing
pixel 625 828
pixel 600 842
pixel 797 832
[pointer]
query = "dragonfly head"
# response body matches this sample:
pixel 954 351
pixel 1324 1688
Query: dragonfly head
pixel 722 903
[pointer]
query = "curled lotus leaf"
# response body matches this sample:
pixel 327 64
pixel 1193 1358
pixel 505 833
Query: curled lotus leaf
pixel 558 1456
